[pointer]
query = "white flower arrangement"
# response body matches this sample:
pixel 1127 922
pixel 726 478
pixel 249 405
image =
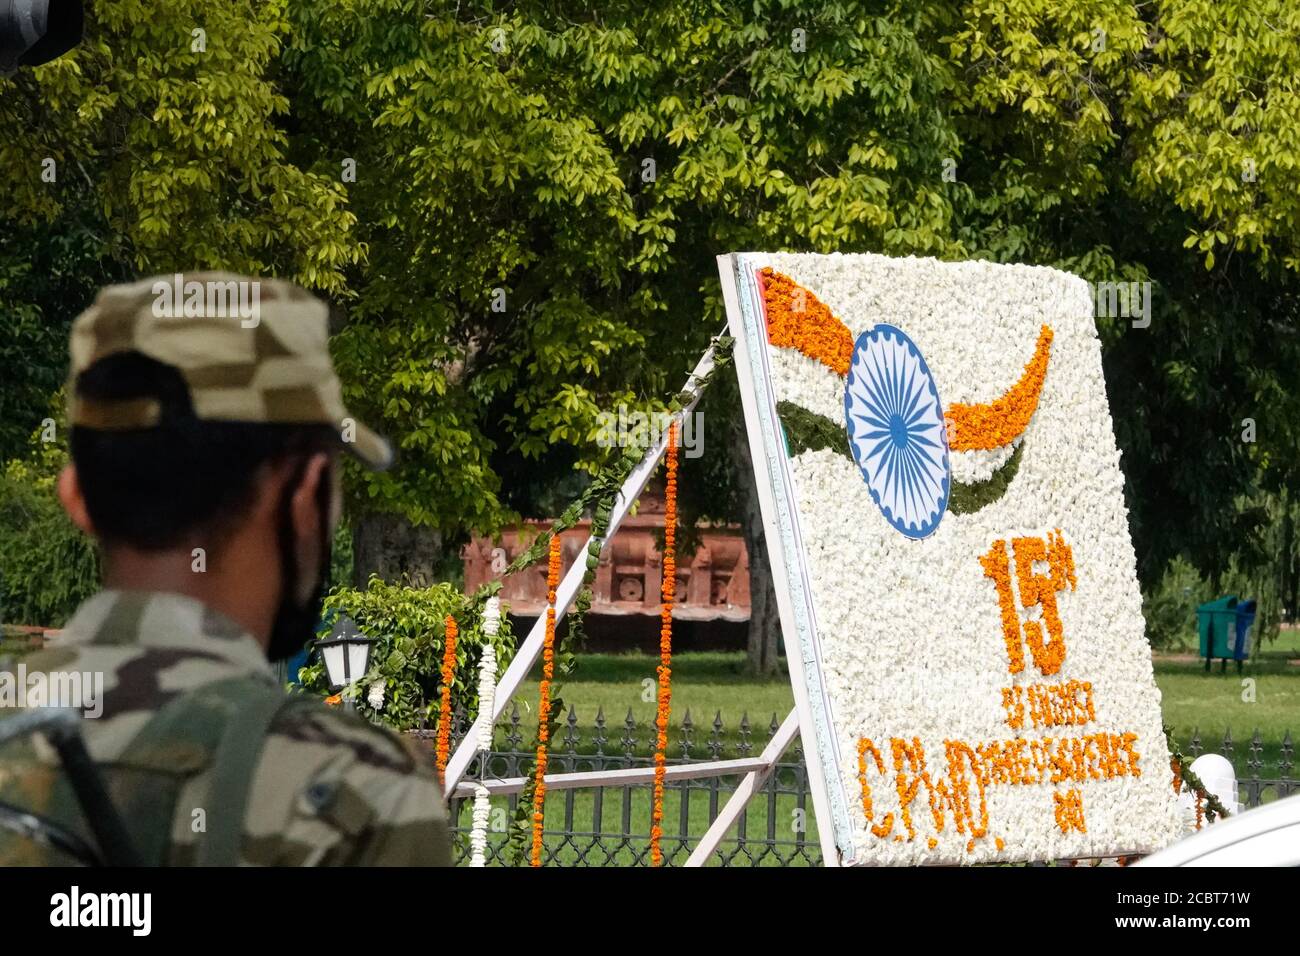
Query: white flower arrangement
pixel 487 688
pixel 479 825
pixel 908 634
pixel 487 685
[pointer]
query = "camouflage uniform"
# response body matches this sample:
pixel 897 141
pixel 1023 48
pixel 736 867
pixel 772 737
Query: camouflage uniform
pixel 206 757
pixel 328 789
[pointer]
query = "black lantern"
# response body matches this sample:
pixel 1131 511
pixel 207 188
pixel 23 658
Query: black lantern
pixel 346 653
pixel 33 32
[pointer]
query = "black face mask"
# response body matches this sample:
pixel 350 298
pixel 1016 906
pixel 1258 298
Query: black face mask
pixel 295 624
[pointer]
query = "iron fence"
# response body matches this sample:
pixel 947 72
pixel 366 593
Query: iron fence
pixel 610 826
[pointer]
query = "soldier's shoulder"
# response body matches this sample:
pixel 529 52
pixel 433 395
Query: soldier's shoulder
pixel 332 788
pixel 309 726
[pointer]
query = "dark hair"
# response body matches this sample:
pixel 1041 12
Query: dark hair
pixel 156 488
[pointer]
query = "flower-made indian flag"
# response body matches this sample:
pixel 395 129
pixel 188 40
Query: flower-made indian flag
pixel 944 509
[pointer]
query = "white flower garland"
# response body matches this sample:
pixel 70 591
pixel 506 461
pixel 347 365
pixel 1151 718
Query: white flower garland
pixel 478 827
pixel 487 688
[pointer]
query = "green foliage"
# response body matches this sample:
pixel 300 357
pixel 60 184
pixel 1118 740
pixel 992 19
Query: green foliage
pixel 409 627
pixel 45 272
pixel 967 498
pixel 513 153
pixel 521 158
pixel 808 431
pixel 1261 563
pixel 1170 607
pixel 47 566
pixel 164 158
pixel 179 149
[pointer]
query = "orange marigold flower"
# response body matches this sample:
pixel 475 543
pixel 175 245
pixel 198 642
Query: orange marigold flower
pixel 1002 421
pixel 798 319
pixel 667 588
pixel 444 710
pixel 544 706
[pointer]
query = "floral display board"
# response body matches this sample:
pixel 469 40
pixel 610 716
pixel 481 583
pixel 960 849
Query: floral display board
pixel 945 517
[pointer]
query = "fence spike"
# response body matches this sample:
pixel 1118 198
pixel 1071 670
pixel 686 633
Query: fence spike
pixel 629 735
pixel 571 736
pixel 715 738
pixel 514 737
pixel 600 738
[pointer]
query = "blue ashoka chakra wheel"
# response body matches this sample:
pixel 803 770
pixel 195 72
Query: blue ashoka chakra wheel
pixel 896 430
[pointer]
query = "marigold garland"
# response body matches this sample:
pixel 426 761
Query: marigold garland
pixel 544 705
pixel 668 590
pixel 444 711
pixel 1000 422
pixel 798 319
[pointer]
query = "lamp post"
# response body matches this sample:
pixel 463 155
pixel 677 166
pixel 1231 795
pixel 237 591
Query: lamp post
pixel 33 32
pixel 346 653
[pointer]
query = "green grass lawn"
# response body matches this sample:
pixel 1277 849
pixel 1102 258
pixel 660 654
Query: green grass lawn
pixel 1214 705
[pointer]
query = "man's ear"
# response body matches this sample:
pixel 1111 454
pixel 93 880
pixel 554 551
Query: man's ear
pixel 74 503
pixel 305 512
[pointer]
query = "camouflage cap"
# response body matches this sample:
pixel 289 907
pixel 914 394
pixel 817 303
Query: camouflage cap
pixel 249 350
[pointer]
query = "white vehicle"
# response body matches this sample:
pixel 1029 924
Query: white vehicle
pixel 1265 836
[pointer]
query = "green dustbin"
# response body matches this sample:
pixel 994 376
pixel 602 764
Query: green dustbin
pixel 1216 623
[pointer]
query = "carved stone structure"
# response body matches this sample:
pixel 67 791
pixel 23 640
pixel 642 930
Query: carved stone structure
pixel 713 585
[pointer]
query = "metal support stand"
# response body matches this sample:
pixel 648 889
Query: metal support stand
pixel 756 770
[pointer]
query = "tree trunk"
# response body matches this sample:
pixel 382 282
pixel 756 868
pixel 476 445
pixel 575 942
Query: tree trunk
pixel 1290 588
pixel 390 546
pixel 764 620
